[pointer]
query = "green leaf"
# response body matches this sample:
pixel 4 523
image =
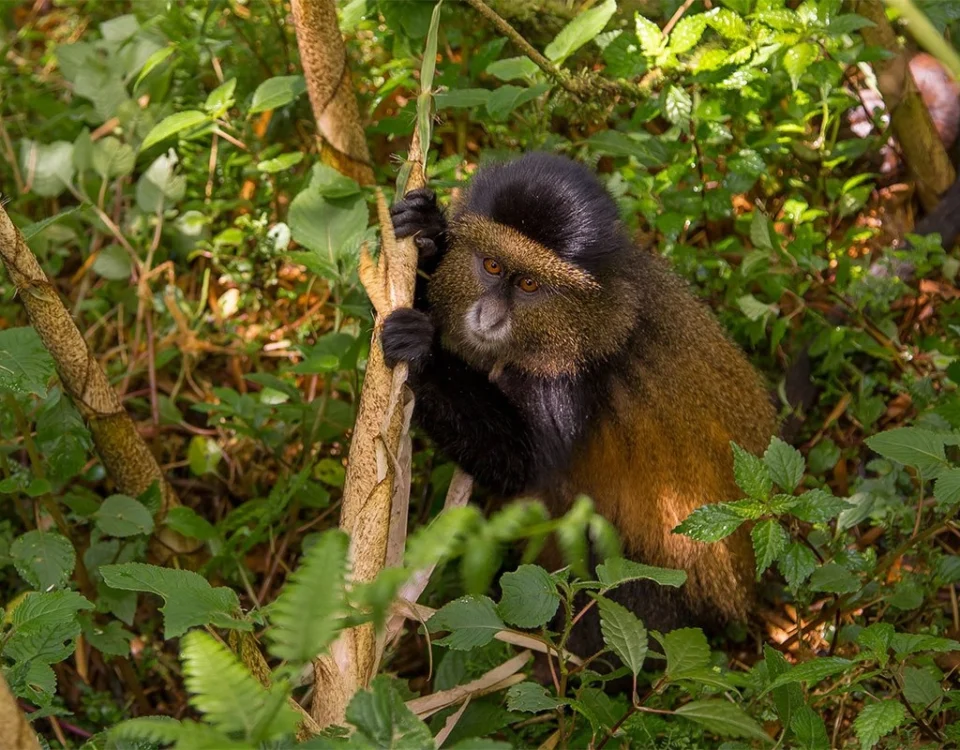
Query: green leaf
pixel 686 650
pixel 113 158
pixel 25 364
pixel 110 639
pixel 687 33
pixel 650 36
pixel 723 718
pixel 381 716
pixel 812 671
pixel 170 126
pixel 327 227
pixel 878 720
pixel 818 506
pixel 511 69
pixel 462 98
pixel 729 25
pixel 921 688
pixel 796 564
pixel 62 437
pixel 834 579
pixel 221 98
pixel 189 600
pixel 710 523
pixel 904 644
pixel 44 559
pixel 154 729
pixel 472 621
pixel 579 31
pixel 505 99
pixel 308 613
pixel 624 633
pixel 531 698
pixel 229 696
pixel 113 263
pixel 160 186
pixel 751 474
pixel 912 446
pixel 280 163
pixel 188 522
pixel 152 62
pixel 277 92
pixel 809 729
pixel 847 24
pixel 617 570
pixel 50 166
pixel 797 59
pixel 877 638
pixel 677 105
pixel 203 455
pixel 770 541
pixel 44 626
pixel 122 516
pixel 785 464
pixel 32 230
pixel 788 699
pixel 529 597
pixel 947 488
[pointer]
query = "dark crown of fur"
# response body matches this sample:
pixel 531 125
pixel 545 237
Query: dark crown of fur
pixel 554 201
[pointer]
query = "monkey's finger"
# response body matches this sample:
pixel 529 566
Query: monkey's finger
pixel 423 196
pixel 426 246
pixel 410 222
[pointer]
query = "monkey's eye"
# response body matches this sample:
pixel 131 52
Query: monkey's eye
pixel 492 266
pixel 528 285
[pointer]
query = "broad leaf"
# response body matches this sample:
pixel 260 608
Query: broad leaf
pixel 796 564
pixel 877 720
pixel 724 718
pixel 381 716
pixel 912 446
pixel 529 597
pixel 123 516
pixel 624 633
pixel 785 464
pixel 751 474
pixel 834 579
pixel 580 30
pixel 531 698
pixel 25 365
pixel 472 621
pixel 686 650
pixel 812 671
pixel 617 570
pixel 44 559
pixel 710 523
pixel 172 125
pixel 277 92
pixel 770 541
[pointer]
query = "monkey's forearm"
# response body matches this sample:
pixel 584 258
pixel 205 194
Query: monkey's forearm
pixel 473 423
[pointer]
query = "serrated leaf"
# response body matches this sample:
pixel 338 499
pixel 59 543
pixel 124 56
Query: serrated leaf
pixel 788 699
pixel 904 644
pixel 617 570
pixel 809 729
pixel 877 721
pixel 160 186
pixel 770 540
pixel 677 105
pixel 25 365
pixel 710 523
pixel 189 600
pixel 62 437
pixel 529 597
pixel 277 92
pixel 109 639
pixel 728 24
pixel 724 718
pixel 170 126
pixel 624 633
pixel 947 488
pixel 154 729
pixel 472 621
pixel 818 506
pixel 504 99
pixel 229 696
pixel 650 36
pixel 877 639
pixel 50 166
pixel 834 579
pixel 687 33
pixel 785 464
pixel 812 671
pixel 686 650
pixel 912 446
pixel 123 516
pixel 797 59
pixel 847 24
pixel 796 564
pixel 221 98
pixel 44 559
pixel 751 474
pixel 579 31
pixel 531 698
pixel 308 613
pixel 381 716
pixel 44 626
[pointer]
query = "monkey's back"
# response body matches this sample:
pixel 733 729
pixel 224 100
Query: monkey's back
pixel 675 402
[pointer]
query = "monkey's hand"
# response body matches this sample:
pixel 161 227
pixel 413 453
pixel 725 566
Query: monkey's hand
pixel 407 337
pixel 419 216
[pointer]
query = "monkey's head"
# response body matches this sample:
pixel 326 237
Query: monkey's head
pixel 539 274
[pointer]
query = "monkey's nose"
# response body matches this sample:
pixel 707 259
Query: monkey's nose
pixel 490 318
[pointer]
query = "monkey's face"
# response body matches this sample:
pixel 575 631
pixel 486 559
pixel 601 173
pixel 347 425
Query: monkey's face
pixel 501 299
